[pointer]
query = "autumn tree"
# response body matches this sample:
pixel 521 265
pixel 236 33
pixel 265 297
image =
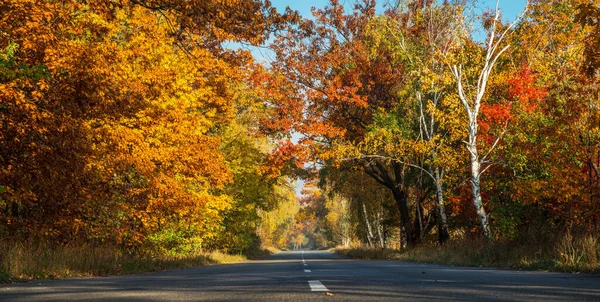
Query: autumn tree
pixel 421 34
pixel 263 202
pixel 117 120
pixel 554 149
pixel 277 224
pixel 360 209
pixel 589 15
pixel 472 95
pixel 327 63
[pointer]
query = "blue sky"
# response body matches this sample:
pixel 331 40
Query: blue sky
pixel 510 8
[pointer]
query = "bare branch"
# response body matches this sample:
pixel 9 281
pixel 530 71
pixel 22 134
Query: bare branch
pixel 457 72
pixel 490 164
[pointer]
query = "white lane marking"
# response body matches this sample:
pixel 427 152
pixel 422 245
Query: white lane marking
pixel 317 286
pixel 305 264
pixel 307 271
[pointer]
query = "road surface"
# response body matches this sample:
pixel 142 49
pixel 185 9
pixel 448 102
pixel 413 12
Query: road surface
pixel 316 275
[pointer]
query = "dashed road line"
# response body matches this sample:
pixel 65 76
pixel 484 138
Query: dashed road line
pixel 317 286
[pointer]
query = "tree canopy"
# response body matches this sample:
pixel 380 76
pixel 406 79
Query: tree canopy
pixel 131 123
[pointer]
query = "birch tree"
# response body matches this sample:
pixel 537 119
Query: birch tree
pixel 430 92
pixel 471 97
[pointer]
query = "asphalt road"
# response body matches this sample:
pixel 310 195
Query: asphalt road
pixel 316 275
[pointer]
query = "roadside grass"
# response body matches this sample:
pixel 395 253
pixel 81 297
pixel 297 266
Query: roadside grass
pixel 27 261
pixel 270 250
pixel 263 251
pixel 568 254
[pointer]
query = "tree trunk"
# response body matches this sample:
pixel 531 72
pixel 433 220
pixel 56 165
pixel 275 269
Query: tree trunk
pixel 403 238
pixel 419 217
pixel 369 229
pixel 443 234
pixel 476 182
pixel 412 236
pixel 379 227
pixel 392 181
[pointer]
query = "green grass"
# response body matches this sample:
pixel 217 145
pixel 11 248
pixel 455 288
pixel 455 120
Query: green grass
pixel 20 261
pixel 567 254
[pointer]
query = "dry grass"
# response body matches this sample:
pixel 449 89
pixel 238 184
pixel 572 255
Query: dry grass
pixel 569 254
pixel 26 261
pixel 579 253
pixel 270 250
pixel 368 253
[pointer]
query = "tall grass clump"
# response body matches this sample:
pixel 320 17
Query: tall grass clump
pixel 578 252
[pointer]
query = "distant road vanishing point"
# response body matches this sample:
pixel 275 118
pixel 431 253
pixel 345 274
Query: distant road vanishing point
pixel 316 275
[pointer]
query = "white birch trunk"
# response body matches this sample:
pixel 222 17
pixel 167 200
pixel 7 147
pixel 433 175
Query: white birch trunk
pixel 369 229
pixel 476 181
pixel 345 224
pixel 380 229
pixel 439 188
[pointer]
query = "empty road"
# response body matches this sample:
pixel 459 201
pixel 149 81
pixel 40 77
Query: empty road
pixel 316 275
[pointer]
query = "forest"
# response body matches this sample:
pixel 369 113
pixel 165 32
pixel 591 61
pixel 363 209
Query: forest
pixel 131 132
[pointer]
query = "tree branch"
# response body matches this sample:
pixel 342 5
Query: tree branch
pixel 392 159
